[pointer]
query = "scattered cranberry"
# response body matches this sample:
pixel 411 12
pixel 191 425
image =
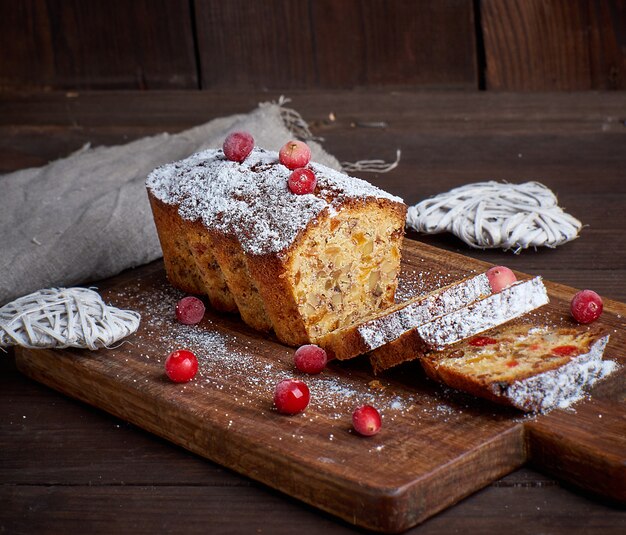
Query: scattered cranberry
pixel 479 341
pixel 181 366
pixel 310 359
pixel 366 420
pixel 294 154
pixel 586 306
pixel 564 351
pixel 237 146
pixel 302 181
pixel 190 310
pixel 500 277
pixel 291 396
pixel 512 364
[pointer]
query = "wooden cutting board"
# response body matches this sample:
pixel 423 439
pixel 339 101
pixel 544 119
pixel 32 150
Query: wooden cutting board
pixel 436 446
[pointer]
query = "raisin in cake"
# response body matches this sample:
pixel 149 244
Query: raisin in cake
pixel 531 368
pixel 485 313
pixel 302 265
pixel 386 326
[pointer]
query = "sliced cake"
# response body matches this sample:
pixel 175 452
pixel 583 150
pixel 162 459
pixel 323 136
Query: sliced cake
pixel 529 367
pixel 495 309
pixel 386 326
pixel 300 264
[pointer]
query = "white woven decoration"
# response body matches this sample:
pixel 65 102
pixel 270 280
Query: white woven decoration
pixel 497 215
pixel 372 166
pixel 64 317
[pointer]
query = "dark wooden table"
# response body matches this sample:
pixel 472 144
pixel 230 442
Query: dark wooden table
pixel 65 466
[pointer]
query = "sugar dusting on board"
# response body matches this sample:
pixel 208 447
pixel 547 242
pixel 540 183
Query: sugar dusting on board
pixel 231 362
pixel 228 361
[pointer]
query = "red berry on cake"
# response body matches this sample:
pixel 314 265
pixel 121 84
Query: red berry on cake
pixel 181 366
pixel 291 396
pixel 189 310
pixel 500 277
pixel 294 154
pixel 310 359
pixel 237 146
pixel 481 341
pixel 302 181
pixel 366 420
pixel 586 306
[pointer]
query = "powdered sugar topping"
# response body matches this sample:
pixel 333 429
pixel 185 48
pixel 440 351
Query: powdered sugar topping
pixel 385 329
pixel 251 200
pixel 563 386
pixel 496 309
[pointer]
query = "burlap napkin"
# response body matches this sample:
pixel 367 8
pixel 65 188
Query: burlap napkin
pixel 87 216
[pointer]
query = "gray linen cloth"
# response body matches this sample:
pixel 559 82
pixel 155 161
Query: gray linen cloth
pixel 87 216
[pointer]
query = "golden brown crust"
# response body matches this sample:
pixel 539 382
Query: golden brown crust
pixel 458 381
pixel 408 347
pixel 177 256
pixel 208 268
pixel 342 344
pixel 234 266
pixel 276 291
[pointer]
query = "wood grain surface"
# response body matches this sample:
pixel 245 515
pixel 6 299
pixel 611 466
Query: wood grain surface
pixel 110 44
pixel 541 45
pixel 65 464
pixel 513 45
pixel 436 446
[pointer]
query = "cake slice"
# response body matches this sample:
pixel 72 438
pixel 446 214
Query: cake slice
pixel 528 367
pixel 495 309
pixel 386 326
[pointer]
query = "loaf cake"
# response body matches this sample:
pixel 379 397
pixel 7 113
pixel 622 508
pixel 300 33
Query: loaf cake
pixel 302 265
pixel 485 313
pixel 386 326
pixel 528 367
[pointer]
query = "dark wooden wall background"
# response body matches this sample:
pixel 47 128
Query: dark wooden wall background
pixel 291 44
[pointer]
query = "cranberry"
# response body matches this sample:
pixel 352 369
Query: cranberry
pixel 512 363
pixel 366 420
pixel 310 359
pixel 189 310
pixel 181 366
pixel 302 181
pixel 291 396
pixel 294 154
pixel 237 146
pixel 479 341
pixel 500 277
pixel 586 306
pixel 564 351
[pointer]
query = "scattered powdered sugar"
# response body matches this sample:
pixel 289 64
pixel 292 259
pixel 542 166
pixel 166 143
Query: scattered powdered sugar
pixel 231 362
pixel 382 330
pixel 496 309
pixel 228 361
pixel 251 200
pixel 563 386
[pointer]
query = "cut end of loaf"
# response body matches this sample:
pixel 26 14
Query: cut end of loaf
pixel 346 267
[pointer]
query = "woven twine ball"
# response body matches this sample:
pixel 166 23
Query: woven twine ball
pixel 488 215
pixel 64 317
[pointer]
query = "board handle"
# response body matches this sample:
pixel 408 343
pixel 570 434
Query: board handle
pixel 586 447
